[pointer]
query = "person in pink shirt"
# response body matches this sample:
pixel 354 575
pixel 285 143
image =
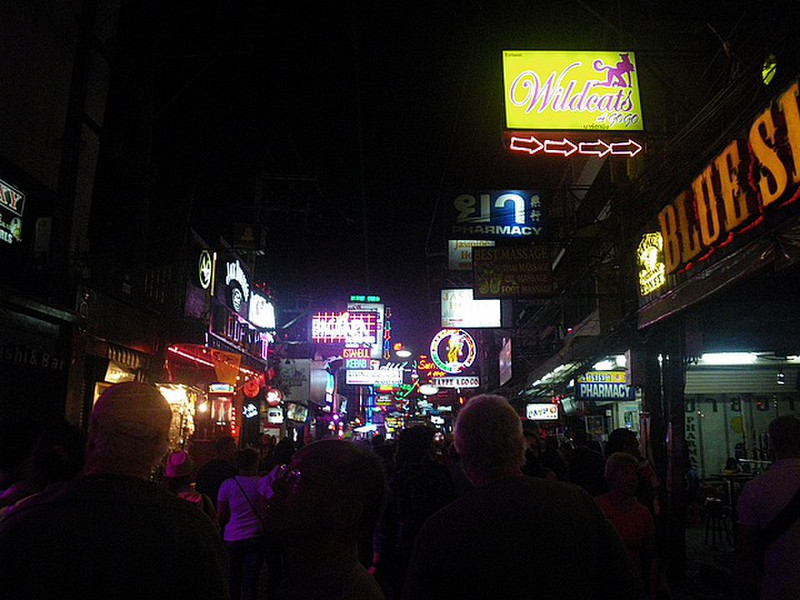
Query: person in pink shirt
pixel 631 518
pixel 760 502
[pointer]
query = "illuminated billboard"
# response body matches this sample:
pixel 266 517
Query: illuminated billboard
pixel 460 309
pixel 459 253
pixel 563 90
pixel 498 214
pixel 541 412
pixel 372 306
pixel 12 205
pixel 349 327
pixel 453 351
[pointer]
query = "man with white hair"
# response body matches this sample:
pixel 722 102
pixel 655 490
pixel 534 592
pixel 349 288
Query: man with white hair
pixel 515 536
pixel 112 533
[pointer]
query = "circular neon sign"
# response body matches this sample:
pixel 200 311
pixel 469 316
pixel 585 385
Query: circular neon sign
pixel 453 350
pixel 205 268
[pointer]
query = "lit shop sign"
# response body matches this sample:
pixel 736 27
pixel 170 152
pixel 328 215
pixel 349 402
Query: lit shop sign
pixel 513 272
pixel 571 90
pixel 498 214
pixel 262 312
pixel 453 350
pixel 603 385
pixel 650 258
pixel 427 370
pixel 357 328
pixel 731 195
pixel 467 381
pixel 380 348
pixel 230 327
pixel 238 286
pixel 205 269
pixel 459 256
pixel 359 298
pixel 12 205
pixel 220 388
pixel 460 309
pixel 541 412
pixel 378 377
pixel 563 145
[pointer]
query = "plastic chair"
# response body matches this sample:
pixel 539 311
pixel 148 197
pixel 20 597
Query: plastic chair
pixel 717 514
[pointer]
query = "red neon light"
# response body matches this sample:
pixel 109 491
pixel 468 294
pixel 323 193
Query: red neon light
pixel 192 357
pixel 206 363
pixel 566 147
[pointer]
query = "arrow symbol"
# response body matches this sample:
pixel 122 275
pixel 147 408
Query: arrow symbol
pixel 564 147
pixel 523 144
pixel 599 148
pixel 630 148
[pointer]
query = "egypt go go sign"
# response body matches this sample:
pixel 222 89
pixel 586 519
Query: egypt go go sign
pixel 541 412
pixel 566 91
pixel 453 350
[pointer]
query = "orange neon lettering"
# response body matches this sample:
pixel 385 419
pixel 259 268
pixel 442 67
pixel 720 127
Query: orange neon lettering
pixel 690 243
pixel 707 216
pixel 734 200
pixel 788 106
pixel 773 179
pixel 669 232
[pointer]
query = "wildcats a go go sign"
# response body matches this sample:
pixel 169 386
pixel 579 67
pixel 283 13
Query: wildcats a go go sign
pixel 571 91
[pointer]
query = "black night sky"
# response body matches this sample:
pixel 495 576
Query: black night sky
pixel 346 129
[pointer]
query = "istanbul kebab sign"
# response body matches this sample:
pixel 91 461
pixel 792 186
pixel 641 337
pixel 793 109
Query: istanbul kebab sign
pixel 547 90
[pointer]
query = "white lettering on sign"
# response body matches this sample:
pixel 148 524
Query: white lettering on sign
pixel 236 273
pixel 612 391
pixel 456 382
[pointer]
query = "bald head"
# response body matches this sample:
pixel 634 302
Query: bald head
pixel 128 430
pixel 488 437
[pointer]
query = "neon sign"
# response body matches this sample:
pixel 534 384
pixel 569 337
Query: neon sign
pixel 652 270
pixel 348 327
pixel 571 90
pixel 240 294
pixel 453 350
pixel 205 269
pixel 732 193
pixel 599 148
pixel 11 201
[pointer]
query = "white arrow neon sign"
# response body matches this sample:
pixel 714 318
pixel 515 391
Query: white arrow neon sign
pixel 565 147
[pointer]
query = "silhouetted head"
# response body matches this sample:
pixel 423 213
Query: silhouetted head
pixel 622 440
pixel 414 444
pixel 330 488
pixel 784 435
pixel 488 437
pixel 128 431
pixel 225 448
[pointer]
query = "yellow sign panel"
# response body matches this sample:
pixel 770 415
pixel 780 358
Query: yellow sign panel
pixel 571 90
pixel 650 256
pixel 603 377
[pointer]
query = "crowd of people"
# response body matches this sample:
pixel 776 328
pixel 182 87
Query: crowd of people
pixel 420 516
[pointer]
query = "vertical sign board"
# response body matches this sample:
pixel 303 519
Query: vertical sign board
pixel 12 205
pixel 380 315
pixel 585 91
